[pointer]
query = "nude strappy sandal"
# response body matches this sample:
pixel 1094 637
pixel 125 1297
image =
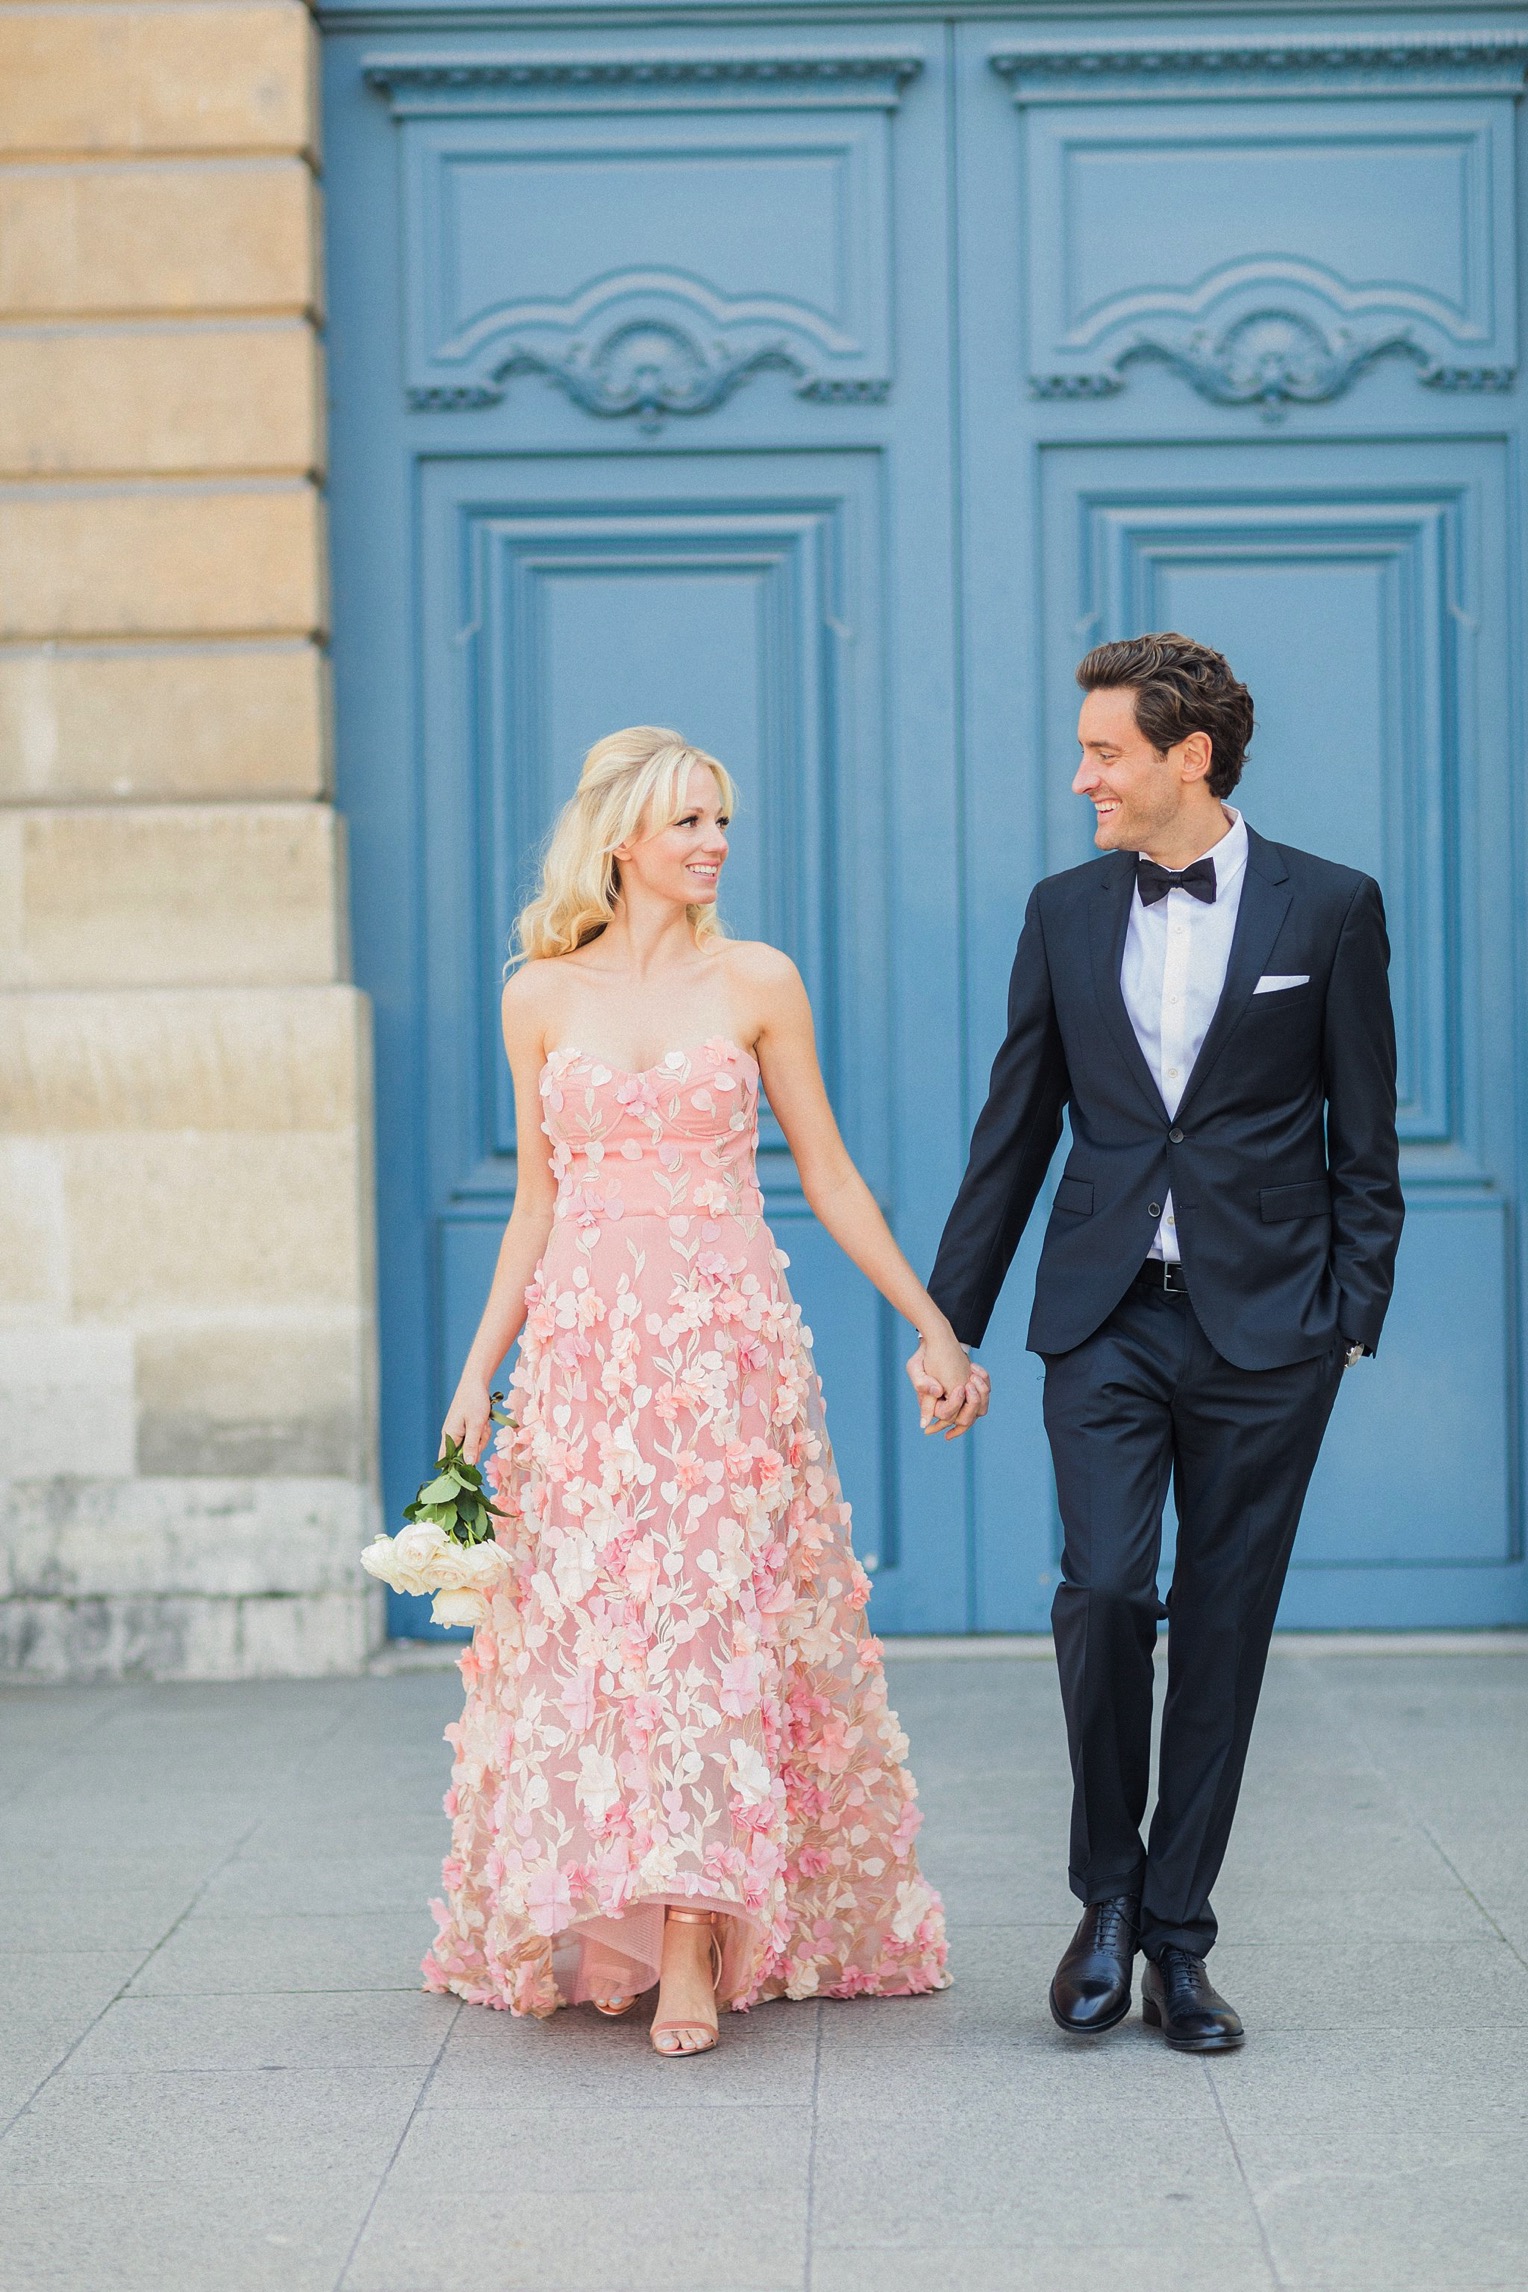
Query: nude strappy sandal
pixel 701 2029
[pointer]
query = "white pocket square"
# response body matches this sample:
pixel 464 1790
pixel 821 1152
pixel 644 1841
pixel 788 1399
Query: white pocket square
pixel 1274 982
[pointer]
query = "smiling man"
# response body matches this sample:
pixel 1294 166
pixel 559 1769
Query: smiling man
pixel 1212 1012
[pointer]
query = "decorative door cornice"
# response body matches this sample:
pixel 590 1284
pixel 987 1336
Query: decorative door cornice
pixel 431 82
pixel 1404 63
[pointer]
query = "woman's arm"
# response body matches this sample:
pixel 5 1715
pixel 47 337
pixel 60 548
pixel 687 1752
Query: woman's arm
pixel 530 1223
pixel 786 1050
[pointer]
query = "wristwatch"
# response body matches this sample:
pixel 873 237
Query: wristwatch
pixel 1354 1353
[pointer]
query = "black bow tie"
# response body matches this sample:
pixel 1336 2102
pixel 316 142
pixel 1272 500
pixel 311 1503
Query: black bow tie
pixel 1154 883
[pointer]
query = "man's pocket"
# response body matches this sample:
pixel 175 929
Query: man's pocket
pixel 1311 1200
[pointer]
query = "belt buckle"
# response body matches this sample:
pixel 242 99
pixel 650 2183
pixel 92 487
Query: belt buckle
pixel 1173 1282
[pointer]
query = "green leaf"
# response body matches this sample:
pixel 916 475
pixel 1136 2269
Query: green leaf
pixel 436 1491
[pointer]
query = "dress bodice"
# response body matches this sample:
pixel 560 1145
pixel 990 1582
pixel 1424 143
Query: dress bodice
pixel 677 1141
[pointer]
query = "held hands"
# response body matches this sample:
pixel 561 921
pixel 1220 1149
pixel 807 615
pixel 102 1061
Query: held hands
pixel 952 1391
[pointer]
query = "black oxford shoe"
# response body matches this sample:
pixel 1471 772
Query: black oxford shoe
pixel 1179 1999
pixel 1091 1991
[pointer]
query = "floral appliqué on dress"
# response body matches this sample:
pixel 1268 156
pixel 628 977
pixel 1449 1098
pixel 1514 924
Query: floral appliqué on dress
pixel 676 1700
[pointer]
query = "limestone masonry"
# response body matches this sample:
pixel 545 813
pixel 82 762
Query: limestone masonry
pixel 187 1384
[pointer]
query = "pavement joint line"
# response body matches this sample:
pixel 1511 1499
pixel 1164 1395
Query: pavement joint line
pixel 1257 2210
pixel 382 2177
pixel 378 1990
pixel 811 2153
pixel 400 1657
pixel 1037 1647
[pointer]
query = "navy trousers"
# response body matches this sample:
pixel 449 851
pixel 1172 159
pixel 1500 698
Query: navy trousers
pixel 1143 1400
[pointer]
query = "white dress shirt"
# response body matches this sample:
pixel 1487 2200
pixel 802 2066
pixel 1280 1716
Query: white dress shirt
pixel 1172 976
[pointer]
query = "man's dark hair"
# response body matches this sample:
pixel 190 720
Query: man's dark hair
pixel 1179 687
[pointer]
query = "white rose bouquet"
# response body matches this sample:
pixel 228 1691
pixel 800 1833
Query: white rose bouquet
pixel 448 1546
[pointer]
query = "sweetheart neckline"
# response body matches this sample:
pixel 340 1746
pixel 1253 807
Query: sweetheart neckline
pixel 639 1073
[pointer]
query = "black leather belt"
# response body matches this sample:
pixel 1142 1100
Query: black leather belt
pixel 1159 1273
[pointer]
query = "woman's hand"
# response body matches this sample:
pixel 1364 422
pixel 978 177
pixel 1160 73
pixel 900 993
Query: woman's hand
pixel 469 1416
pixel 952 1392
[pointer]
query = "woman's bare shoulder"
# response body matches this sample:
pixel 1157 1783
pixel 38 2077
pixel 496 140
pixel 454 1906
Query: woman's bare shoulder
pixel 530 1000
pixel 755 965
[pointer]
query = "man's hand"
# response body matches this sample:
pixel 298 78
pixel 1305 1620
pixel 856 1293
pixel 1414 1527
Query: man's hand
pixel 952 1392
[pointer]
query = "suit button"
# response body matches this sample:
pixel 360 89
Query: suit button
pixel 1153 1209
pixel 1176 1136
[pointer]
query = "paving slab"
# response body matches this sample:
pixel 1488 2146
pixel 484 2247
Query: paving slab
pixel 1385 2157
pixel 364 2029
pixel 1081 2267
pixel 1367 1984
pixel 251 1885
pixel 595 2200
pixel 376 1951
pixel 1441 1911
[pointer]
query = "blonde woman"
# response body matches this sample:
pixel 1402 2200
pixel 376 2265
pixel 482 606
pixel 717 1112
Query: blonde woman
pixel 676 1765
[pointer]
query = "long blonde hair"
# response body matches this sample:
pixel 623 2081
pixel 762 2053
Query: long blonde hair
pixel 632 779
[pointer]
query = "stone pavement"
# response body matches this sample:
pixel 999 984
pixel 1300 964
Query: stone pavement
pixel 217 2071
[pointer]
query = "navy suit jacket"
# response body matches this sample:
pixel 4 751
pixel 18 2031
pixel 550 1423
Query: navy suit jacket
pixel 1282 1157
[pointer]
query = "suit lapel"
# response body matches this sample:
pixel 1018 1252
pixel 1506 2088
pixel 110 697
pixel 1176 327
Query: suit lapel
pixel 1264 905
pixel 1116 889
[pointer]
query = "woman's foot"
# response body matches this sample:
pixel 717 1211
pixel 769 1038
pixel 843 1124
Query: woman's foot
pixel 686 2018
pixel 612 2008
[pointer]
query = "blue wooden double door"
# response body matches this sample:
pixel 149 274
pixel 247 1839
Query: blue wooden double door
pixel 825 391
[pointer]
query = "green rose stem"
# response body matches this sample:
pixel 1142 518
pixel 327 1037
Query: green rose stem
pixel 455 1498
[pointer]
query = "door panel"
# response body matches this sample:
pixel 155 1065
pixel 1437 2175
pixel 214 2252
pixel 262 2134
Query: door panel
pixel 1335 578
pixel 642 415
pixel 565 595
pixel 1220 394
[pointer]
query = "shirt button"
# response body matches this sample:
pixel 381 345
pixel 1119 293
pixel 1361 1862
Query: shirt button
pixel 1153 1209
pixel 1176 1136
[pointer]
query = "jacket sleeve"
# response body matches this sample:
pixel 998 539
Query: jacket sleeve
pixel 1011 1146
pixel 1363 1152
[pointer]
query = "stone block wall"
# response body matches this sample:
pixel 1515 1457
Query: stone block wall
pixel 187 1385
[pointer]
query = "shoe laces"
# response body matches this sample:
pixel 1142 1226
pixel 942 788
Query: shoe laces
pixel 1183 1970
pixel 1116 1922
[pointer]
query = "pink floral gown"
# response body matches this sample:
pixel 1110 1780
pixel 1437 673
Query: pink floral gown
pixel 676 1700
